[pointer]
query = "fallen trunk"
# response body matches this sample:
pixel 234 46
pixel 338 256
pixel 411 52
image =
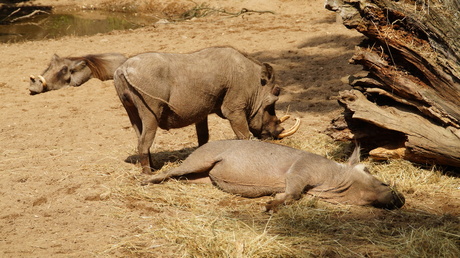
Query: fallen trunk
pixel 407 104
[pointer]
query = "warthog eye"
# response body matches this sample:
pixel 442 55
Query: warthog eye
pixel 64 70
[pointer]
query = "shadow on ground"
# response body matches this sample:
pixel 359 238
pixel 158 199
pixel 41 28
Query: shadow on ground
pixel 159 159
pixel 305 78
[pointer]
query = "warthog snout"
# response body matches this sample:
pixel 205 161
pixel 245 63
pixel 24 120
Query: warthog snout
pixel 37 84
pixel 391 199
pixel 275 130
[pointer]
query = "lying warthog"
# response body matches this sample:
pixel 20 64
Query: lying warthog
pixel 74 71
pixel 253 169
pixel 175 90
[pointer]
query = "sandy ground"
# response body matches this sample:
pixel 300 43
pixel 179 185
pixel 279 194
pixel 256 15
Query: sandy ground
pixel 62 152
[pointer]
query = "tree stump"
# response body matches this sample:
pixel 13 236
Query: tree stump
pixel 407 102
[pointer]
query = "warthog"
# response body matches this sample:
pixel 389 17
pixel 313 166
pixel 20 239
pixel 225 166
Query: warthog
pixel 175 90
pixel 254 168
pixel 74 71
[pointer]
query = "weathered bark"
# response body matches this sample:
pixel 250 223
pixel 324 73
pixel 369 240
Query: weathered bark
pixel 408 103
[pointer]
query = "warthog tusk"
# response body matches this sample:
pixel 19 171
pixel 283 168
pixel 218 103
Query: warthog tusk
pixel 290 131
pixel 42 80
pixel 284 118
pixel 32 77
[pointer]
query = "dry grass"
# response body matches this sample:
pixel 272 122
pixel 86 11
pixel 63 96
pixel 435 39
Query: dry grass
pixel 178 219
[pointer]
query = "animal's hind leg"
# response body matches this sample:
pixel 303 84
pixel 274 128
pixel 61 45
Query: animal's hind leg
pixel 122 85
pixel 133 115
pixel 149 129
pixel 189 166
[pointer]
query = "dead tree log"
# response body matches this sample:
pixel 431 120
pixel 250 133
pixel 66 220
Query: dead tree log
pixel 407 103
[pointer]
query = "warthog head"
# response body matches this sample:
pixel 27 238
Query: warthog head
pixel 359 187
pixel 368 190
pixel 61 72
pixel 264 123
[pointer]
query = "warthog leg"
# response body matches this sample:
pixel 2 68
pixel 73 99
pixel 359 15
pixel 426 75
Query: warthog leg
pixel 187 167
pixel 296 184
pixel 239 124
pixel 147 135
pixel 202 131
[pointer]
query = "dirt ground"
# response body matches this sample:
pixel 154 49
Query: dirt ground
pixel 62 152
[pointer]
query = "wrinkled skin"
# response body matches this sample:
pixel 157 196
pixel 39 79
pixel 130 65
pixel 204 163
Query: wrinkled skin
pixel 175 90
pixel 74 71
pixel 253 169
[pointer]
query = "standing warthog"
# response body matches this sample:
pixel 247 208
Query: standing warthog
pixel 74 71
pixel 175 90
pixel 253 169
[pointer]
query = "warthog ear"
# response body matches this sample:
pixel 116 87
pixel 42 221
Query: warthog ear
pixel 354 158
pixel 77 66
pixel 267 74
pixel 363 168
pixel 55 58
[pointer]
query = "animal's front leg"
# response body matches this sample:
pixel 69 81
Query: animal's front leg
pixel 296 181
pixel 281 198
pixel 202 131
pixel 239 124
